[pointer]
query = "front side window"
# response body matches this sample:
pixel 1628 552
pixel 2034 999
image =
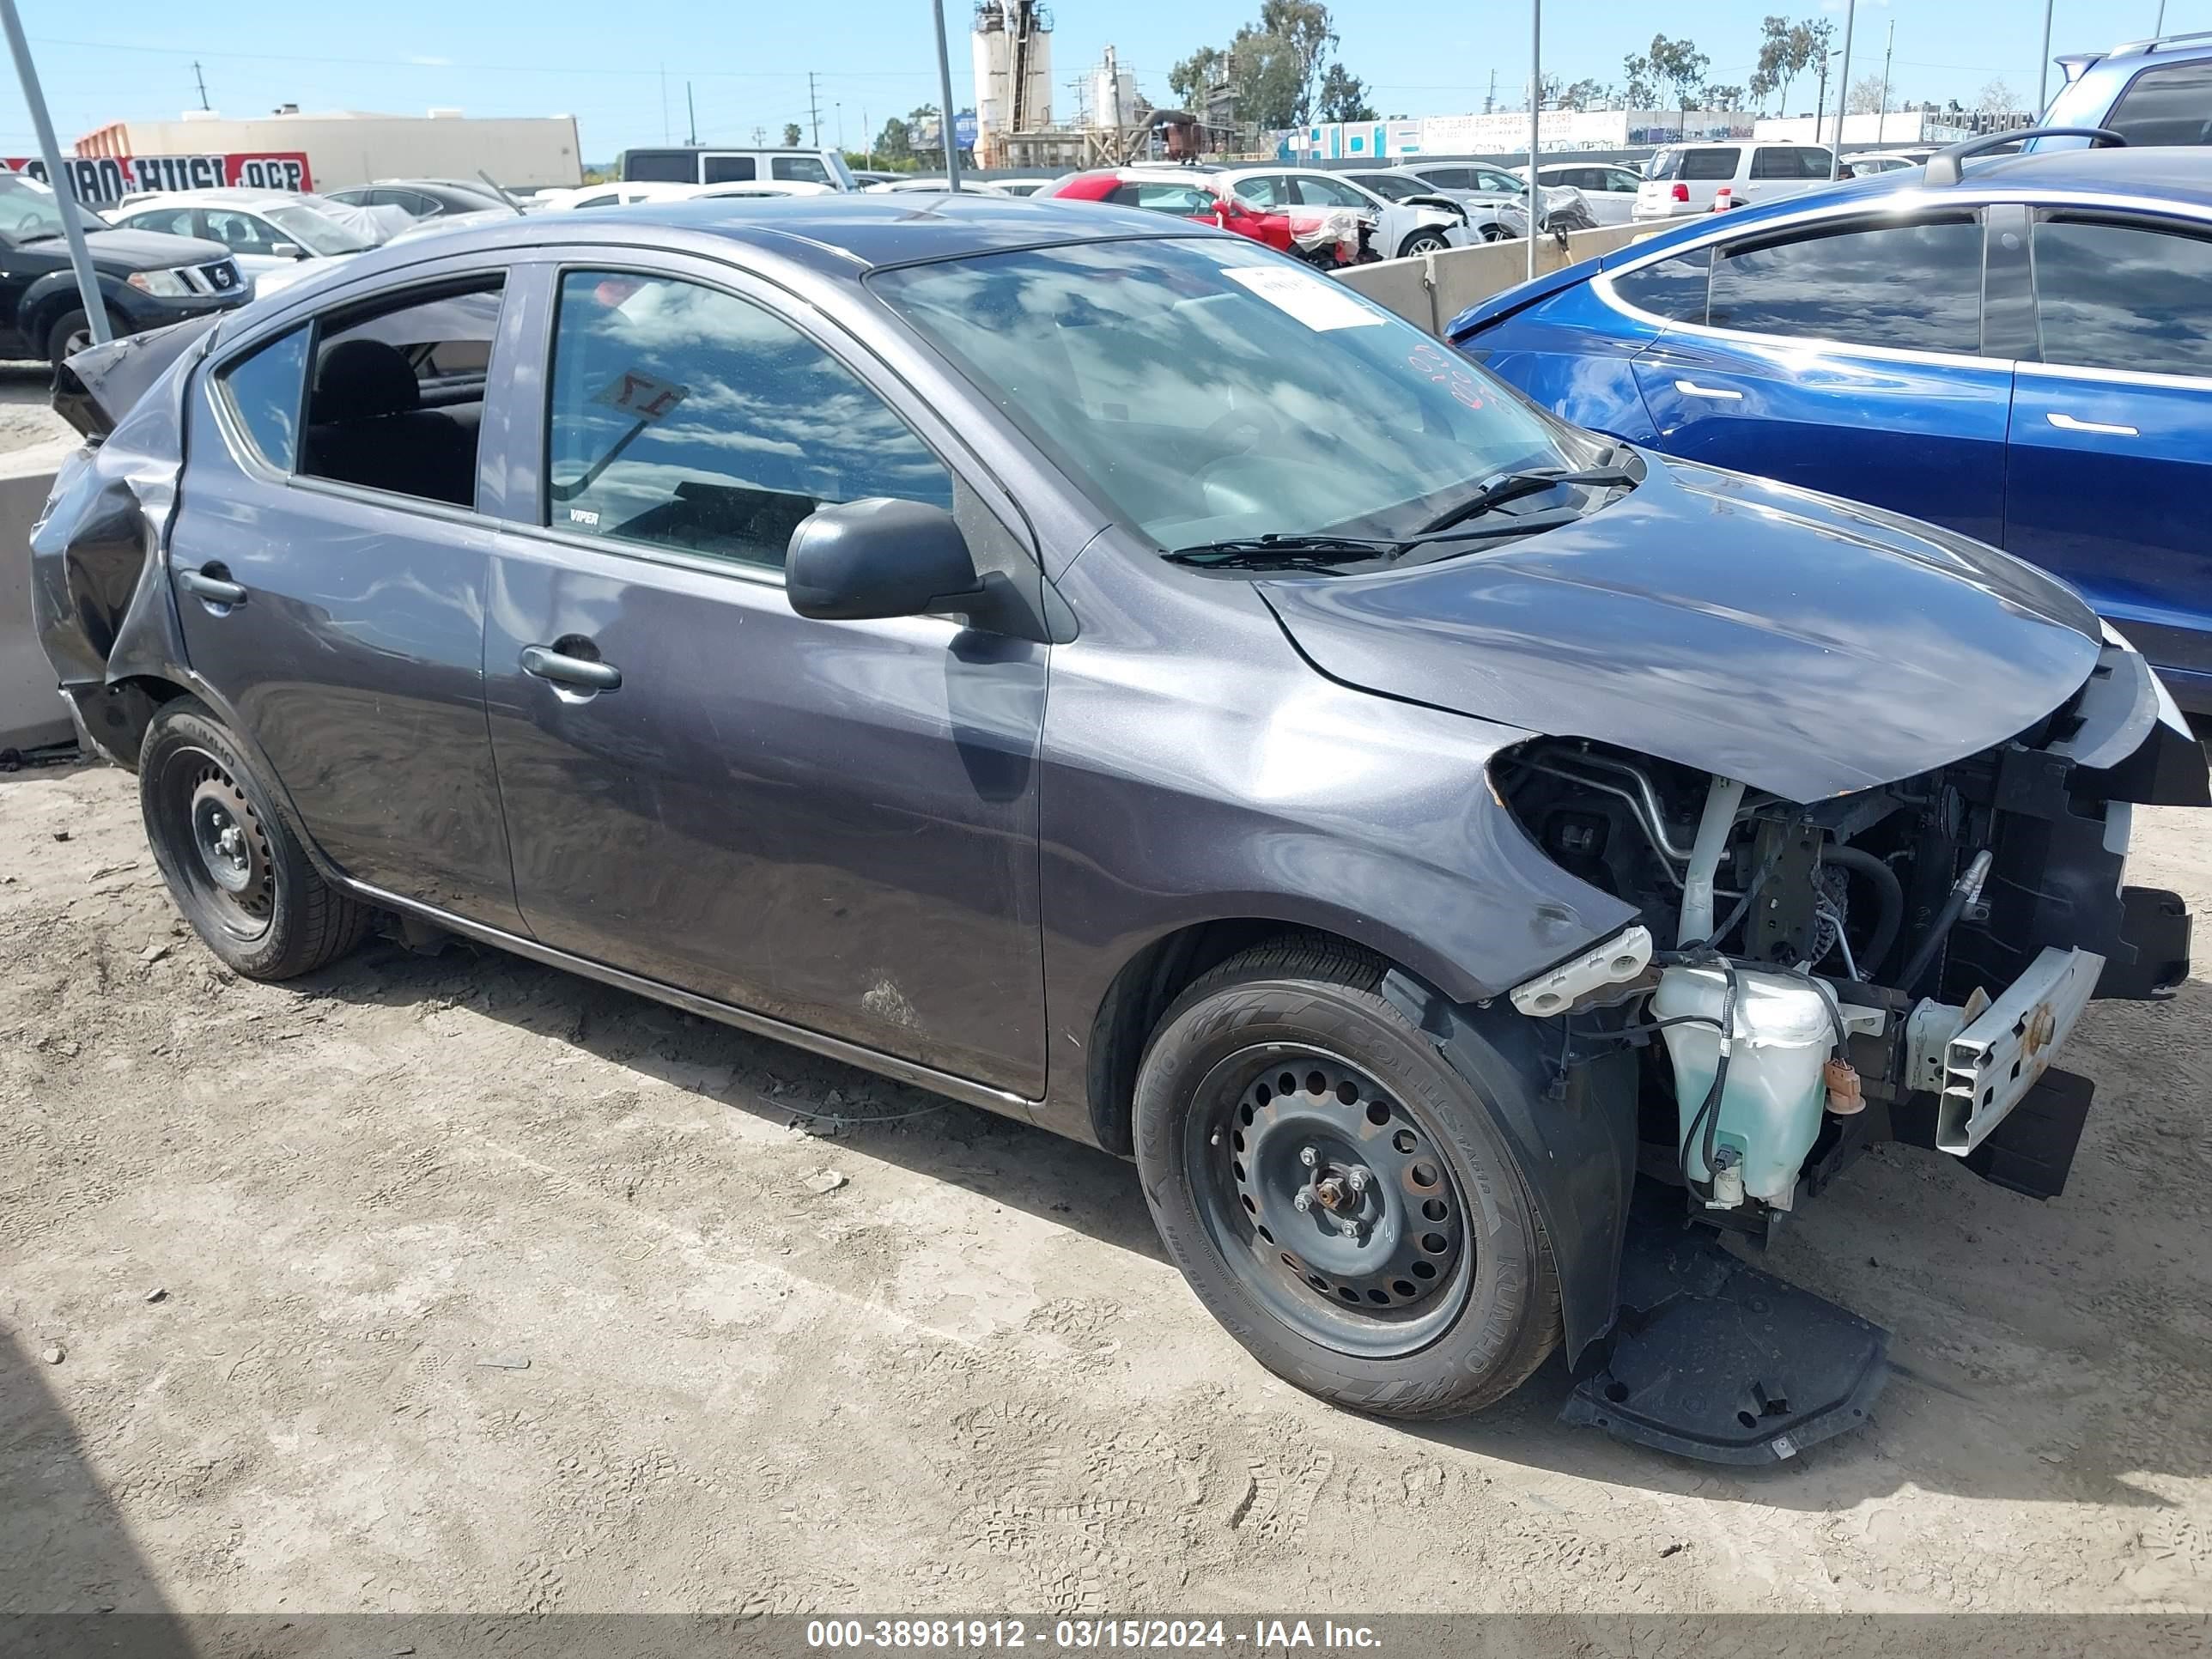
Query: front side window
pixel 1316 192
pixel 398 395
pixel 799 169
pixel 2125 297
pixel 1449 178
pixel 688 418
pixel 1187 201
pixel 1268 191
pixel 730 170
pixel 241 233
pixel 1917 287
pixel 1390 187
pixel 264 392
pixel 1673 288
pixel 1204 390
pixel 1502 184
pixel 2171 104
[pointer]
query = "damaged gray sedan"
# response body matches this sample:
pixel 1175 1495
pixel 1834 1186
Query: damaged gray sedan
pixel 1114 676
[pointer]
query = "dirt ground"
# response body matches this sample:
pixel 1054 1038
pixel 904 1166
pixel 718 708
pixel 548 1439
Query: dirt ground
pixel 910 1357
pixel 26 416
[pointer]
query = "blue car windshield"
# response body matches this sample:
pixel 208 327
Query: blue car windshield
pixel 1206 389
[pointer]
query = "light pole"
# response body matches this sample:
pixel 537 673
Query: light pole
pixel 87 284
pixel 1536 121
pixel 945 106
pixel 1844 98
pixel 2043 65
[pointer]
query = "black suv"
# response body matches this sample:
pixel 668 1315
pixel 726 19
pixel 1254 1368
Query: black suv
pixel 148 279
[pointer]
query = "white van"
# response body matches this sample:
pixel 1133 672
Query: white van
pixel 698 164
pixel 1683 178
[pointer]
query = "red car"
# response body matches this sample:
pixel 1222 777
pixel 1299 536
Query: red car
pixel 1189 193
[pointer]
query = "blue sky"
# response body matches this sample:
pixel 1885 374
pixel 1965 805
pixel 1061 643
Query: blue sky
pixel 748 61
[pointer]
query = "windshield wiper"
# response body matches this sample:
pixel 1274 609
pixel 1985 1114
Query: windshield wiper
pixel 1321 552
pixel 1512 486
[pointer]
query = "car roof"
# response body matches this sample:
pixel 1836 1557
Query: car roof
pixel 239 196
pixel 849 233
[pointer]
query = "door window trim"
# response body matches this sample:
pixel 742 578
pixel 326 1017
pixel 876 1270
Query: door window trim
pixel 1603 286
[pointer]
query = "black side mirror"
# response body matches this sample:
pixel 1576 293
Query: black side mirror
pixel 878 557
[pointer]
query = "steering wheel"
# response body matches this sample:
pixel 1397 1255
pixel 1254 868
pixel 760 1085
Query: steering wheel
pixel 1260 422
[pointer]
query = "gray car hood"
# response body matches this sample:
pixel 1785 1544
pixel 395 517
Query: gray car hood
pixel 1806 646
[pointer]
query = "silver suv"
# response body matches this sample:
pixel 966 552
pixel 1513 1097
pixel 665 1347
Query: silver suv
pixel 2150 92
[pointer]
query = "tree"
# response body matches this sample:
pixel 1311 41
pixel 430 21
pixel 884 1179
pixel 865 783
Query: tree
pixel 1681 66
pixel 791 135
pixel 894 144
pixel 1996 98
pixel 1311 34
pixel 1582 94
pixel 1343 97
pixel 1866 94
pixel 1641 90
pixel 1190 79
pixel 1786 51
pixel 1265 80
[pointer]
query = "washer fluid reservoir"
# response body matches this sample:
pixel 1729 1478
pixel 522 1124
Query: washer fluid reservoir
pixel 1770 1104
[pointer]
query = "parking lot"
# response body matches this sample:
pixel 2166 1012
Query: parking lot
pixel 484 1288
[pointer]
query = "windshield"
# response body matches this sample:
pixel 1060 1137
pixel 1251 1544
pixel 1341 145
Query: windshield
pixel 1206 389
pixel 312 232
pixel 28 212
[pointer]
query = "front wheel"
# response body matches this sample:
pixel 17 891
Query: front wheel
pixel 1335 1193
pixel 232 865
pixel 71 333
pixel 1420 242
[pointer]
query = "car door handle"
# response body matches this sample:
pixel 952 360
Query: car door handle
pixel 1692 389
pixel 212 585
pixel 2110 429
pixel 544 663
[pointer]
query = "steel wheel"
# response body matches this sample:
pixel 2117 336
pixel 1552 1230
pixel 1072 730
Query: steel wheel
pixel 1331 1199
pixel 229 864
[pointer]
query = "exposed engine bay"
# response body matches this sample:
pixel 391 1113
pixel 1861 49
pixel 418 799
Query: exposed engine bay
pixel 1902 963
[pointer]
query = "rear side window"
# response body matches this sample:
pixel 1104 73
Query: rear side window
pixel 2171 104
pixel 1673 288
pixel 399 394
pixel 264 391
pixel 1708 164
pixel 1789 162
pixel 1917 287
pixel 729 170
pixel 660 166
pixel 2123 297
pixel 1186 200
pixel 689 418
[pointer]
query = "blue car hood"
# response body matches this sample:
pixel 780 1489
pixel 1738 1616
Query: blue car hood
pixel 1805 645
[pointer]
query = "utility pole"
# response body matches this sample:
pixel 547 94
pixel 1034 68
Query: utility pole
pixel 1535 120
pixel 1844 98
pixel 663 103
pixel 839 109
pixel 691 114
pixel 1489 98
pixel 87 284
pixel 1820 98
pixel 814 109
pixel 201 79
pixel 945 106
pixel 1881 121
pixel 868 136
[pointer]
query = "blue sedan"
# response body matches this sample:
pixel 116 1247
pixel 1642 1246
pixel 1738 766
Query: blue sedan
pixel 2023 355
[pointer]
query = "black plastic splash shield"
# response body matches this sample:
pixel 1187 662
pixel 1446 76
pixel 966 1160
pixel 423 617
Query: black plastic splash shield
pixel 1714 1360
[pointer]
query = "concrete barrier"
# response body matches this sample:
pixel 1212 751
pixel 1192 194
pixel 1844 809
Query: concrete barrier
pixel 31 711
pixel 1430 289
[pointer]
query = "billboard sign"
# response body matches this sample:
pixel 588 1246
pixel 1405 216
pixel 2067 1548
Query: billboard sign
pixel 104 181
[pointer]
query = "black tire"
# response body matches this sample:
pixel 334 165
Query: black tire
pixel 69 335
pixel 1456 1347
pixel 232 865
pixel 1495 232
pixel 1422 241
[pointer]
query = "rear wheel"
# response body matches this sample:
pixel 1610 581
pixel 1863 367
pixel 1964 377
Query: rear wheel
pixel 1337 1195
pixel 231 864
